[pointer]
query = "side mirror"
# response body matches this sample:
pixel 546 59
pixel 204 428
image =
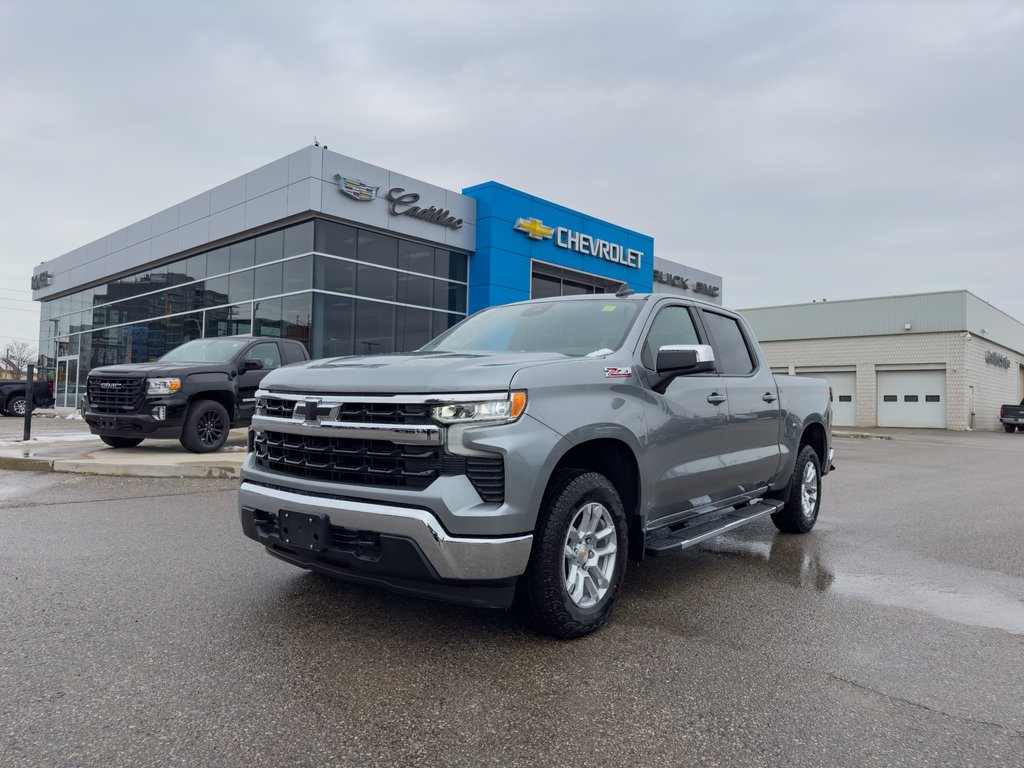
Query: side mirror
pixel 681 360
pixel 250 364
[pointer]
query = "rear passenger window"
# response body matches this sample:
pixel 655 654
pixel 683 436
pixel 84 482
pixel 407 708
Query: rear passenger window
pixel 731 350
pixel 292 353
pixel 673 325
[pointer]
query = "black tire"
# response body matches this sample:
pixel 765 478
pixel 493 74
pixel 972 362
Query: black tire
pixel 543 596
pixel 120 442
pixel 803 499
pixel 206 427
pixel 1009 427
pixel 16 406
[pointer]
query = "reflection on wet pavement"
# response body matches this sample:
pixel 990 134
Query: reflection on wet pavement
pixel 962 594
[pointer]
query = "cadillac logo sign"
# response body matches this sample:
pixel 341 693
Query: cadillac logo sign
pixel 400 202
pixel 356 189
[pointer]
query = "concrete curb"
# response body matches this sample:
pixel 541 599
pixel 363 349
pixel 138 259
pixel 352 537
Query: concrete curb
pixel 863 435
pixel 26 464
pixel 145 470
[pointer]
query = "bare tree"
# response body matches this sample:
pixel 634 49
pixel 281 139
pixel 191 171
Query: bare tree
pixel 17 356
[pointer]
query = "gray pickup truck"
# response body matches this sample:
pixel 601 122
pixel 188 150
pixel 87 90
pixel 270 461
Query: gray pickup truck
pixel 525 454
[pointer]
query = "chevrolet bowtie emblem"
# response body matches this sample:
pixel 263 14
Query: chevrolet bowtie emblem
pixel 534 229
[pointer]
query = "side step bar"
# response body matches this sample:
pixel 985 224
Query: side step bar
pixel 668 541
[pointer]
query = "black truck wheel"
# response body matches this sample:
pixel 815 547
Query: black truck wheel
pixel 206 427
pixel 804 498
pixel 579 556
pixel 1009 427
pixel 16 405
pixel 120 442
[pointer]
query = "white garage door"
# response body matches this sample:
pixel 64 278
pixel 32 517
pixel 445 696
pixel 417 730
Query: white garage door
pixel 912 399
pixel 844 390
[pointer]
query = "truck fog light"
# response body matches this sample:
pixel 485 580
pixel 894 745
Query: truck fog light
pixel 160 412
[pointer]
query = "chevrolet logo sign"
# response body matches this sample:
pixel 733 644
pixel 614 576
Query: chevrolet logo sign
pixel 534 229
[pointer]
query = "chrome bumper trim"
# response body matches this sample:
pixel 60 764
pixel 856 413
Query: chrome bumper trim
pixel 408 434
pixel 452 557
pixel 442 399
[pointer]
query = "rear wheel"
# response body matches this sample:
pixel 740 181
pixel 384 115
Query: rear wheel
pixel 16 406
pixel 120 442
pixel 801 510
pixel 579 556
pixel 206 427
pixel 1009 427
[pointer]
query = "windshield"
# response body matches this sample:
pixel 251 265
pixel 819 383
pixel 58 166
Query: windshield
pixel 574 328
pixel 205 351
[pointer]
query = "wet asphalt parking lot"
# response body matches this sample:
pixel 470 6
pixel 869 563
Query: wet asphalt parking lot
pixel 140 628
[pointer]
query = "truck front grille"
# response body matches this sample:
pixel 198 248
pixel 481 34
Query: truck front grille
pixel 374 462
pixel 354 412
pixel 115 395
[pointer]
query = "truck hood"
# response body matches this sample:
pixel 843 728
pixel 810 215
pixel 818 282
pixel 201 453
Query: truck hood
pixel 417 372
pixel 152 370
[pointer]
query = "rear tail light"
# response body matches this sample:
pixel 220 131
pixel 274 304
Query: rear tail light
pixel 50 382
pixel 1002 411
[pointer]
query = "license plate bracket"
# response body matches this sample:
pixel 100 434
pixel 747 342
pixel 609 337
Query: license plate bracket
pixel 303 530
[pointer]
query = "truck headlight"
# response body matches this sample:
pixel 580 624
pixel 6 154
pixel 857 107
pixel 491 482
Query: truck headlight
pixel 494 411
pixel 162 386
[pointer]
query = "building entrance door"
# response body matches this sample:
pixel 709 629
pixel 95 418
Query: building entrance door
pixel 65 387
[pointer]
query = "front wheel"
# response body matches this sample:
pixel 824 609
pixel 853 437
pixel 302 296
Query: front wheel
pixel 801 510
pixel 16 406
pixel 579 556
pixel 206 427
pixel 120 442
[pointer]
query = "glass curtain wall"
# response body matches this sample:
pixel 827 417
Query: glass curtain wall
pixel 337 288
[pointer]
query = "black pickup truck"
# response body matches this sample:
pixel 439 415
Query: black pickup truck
pixel 12 396
pixel 195 393
pixel 1012 417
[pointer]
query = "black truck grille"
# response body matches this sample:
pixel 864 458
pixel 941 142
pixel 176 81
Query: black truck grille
pixel 374 462
pixel 354 412
pixel 115 395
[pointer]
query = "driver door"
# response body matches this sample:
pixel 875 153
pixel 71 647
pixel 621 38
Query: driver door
pixel 269 356
pixel 687 427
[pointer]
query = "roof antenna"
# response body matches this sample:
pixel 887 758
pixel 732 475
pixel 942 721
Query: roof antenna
pixel 624 291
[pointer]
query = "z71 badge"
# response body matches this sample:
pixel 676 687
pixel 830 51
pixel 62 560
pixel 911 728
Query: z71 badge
pixel 617 373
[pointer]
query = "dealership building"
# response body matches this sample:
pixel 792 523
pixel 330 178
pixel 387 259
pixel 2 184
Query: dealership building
pixel 942 360
pixel 347 257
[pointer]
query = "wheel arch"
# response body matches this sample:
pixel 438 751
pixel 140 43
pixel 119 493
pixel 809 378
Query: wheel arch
pixel 814 435
pixel 616 460
pixel 221 396
pixel 9 395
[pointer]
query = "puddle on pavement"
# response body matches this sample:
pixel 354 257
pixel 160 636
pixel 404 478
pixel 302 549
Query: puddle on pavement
pixel 963 595
pixel 15 485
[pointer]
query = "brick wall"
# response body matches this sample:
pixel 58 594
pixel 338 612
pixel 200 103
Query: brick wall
pixel 953 349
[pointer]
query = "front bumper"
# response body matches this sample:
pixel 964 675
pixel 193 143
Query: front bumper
pixel 405 549
pixel 141 423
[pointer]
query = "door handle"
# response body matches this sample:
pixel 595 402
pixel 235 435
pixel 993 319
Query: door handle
pixel 769 397
pixel 716 399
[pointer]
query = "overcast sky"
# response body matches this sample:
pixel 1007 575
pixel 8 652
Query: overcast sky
pixel 802 150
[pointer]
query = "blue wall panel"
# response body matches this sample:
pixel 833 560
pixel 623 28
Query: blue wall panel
pixel 499 271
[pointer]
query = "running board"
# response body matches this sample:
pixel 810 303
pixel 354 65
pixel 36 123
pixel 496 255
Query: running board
pixel 668 541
